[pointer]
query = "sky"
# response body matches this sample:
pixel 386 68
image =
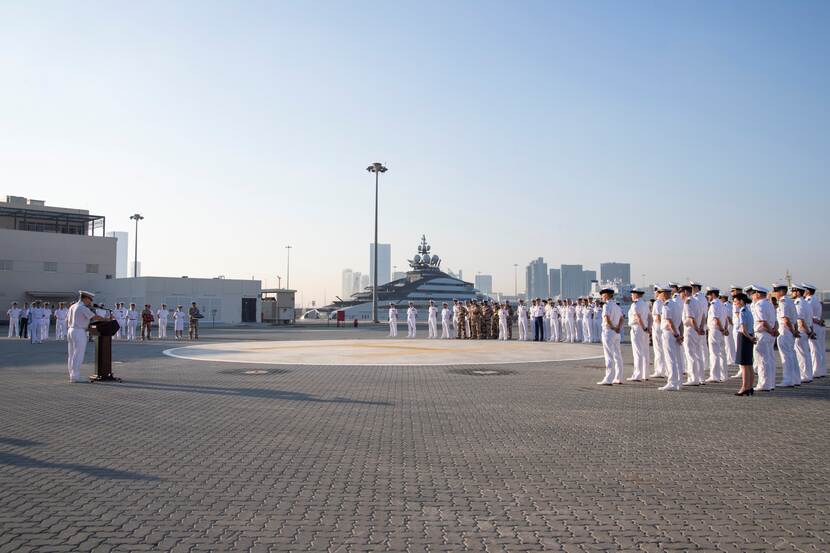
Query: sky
pixel 687 138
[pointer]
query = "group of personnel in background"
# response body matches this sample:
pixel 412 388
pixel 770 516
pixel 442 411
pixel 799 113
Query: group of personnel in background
pixel 686 326
pixel 34 321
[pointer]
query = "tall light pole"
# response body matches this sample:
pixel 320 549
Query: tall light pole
pixel 377 168
pixel 516 280
pixel 288 268
pixel 137 218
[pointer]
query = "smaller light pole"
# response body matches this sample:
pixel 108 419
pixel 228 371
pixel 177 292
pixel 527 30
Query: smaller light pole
pixel 137 218
pixel 288 267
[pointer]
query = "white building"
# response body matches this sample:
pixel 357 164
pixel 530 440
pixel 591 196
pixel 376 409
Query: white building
pixel 384 263
pixel 223 300
pixel 122 257
pixel 484 284
pixel 49 253
pixel 347 283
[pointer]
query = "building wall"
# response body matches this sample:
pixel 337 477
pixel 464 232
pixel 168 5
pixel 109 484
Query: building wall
pixel 537 279
pixel 122 257
pixel 555 280
pixel 588 277
pixel 573 281
pixel 612 271
pixel 28 252
pixel 223 295
pixel 484 284
pixel 347 284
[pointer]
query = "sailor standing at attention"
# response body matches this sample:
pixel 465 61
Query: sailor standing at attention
pixel 504 321
pixel 612 322
pixel 729 342
pixel 703 306
pixel 120 315
pixel 734 290
pixel 61 314
pixel 78 319
pixel 132 322
pixel 693 334
pixel 446 316
pixel 521 315
pixel 411 316
pixel 455 310
pixel 393 320
pixel 553 321
pixel 47 321
pixel 638 321
pixel 432 320
pixel 786 316
pixel 162 314
pixel 766 331
pixel 14 320
pixel 804 324
pixel 672 320
pixel 34 322
pixel 818 351
pixel 657 335
pixel 718 334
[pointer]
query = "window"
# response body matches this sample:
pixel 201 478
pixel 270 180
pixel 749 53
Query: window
pixel 5 265
pixel 91 267
pixel 50 266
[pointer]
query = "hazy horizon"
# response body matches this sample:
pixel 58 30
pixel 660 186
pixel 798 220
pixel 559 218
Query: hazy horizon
pixel 688 139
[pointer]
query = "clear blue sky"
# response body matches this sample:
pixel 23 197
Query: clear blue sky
pixel 689 138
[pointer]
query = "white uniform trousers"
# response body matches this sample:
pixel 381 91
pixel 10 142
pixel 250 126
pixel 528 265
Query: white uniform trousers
pixel 694 363
pixel 44 328
pixel 523 329
pixel 393 327
pixel 578 328
pixel 410 323
pixel 454 331
pixel 613 357
pixel 502 328
pixel 467 324
pixel 802 354
pixel 717 355
pixel 659 356
pixel 60 330
pixel 790 375
pixel 14 327
pixel 132 325
pixel 162 328
pixel 433 327
pixel 571 331
pixel 672 353
pixel 546 329
pixel 817 352
pixel 77 347
pixel 34 330
pixel 554 329
pixel 639 347
pixel 765 357
pixel 731 346
pixel 597 330
pixel 445 329
pixel 122 329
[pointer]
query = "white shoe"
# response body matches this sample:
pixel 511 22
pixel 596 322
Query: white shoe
pixel 603 383
pixel 711 379
pixel 668 388
pixel 634 379
pixel 691 383
pixel 616 382
pixel 656 375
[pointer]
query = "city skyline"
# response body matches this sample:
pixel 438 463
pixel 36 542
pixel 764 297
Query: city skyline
pixel 210 112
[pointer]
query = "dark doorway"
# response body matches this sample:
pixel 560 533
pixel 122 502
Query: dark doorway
pixel 248 310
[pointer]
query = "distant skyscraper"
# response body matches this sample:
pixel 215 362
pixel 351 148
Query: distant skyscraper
pixel 347 284
pixel 555 284
pixel 573 281
pixel 484 283
pixel 588 276
pixel 122 247
pixel 364 282
pixel 615 271
pixel 384 263
pixel 133 267
pixel 536 279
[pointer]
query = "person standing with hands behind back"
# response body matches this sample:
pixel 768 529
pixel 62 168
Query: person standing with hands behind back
pixel 746 341
pixel 195 315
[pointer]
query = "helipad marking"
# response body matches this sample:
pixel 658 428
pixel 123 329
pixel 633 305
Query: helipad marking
pixel 358 353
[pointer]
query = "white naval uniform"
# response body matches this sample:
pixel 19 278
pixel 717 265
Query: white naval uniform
pixel 763 311
pixel 639 338
pixel 120 315
pixel 504 321
pixel 455 311
pixel 60 323
pixel 818 354
pixel 790 375
pixel 45 322
pixel 804 313
pixel 521 314
pixel 716 341
pixel 179 317
pixel 132 323
pixel 657 339
pixel 570 322
pixel 587 324
pixel 432 322
pixel 78 319
pixel 14 321
pixel 546 334
pixel 672 352
pixel 393 322
pixel 702 343
pixel 730 341
pixel 411 316
pixel 162 315
pixel 554 323
pixel 611 344
pixel 446 316
pixel 35 320
pixel 578 322
pixel 692 315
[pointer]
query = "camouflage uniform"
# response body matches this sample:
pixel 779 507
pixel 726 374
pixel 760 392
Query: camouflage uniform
pixel 494 324
pixel 510 322
pixel 461 323
pixel 486 321
pixel 475 321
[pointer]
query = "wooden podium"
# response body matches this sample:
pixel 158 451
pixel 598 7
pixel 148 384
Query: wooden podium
pixel 103 331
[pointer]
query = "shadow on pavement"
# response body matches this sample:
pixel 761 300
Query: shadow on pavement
pixel 19 442
pixel 17 460
pixel 262 393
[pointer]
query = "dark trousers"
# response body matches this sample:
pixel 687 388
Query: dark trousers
pixel 538 329
pixel 24 327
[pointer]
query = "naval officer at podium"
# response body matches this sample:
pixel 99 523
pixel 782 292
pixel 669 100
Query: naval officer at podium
pixel 78 319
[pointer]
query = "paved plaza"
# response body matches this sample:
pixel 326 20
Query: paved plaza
pixel 207 455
